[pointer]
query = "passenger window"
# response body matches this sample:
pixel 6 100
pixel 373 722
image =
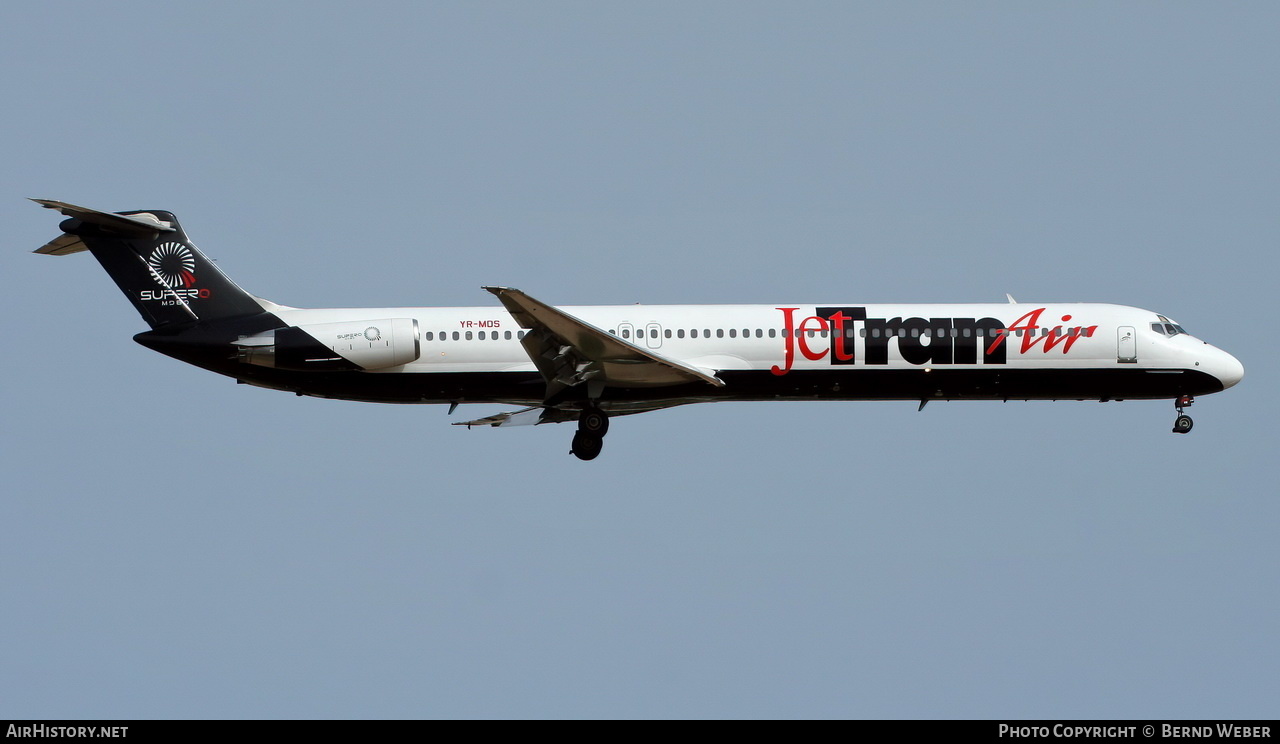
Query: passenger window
pixel 520 334
pixel 680 333
pixel 719 333
pixel 481 335
pixel 507 335
pixel 427 335
pixel 759 333
pixel 626 333
pixel 468 335
pixel 667 333
pixel 693 333
pixel 455 335
pixel 773 333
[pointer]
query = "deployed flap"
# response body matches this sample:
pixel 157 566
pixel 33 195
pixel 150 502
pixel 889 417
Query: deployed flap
pixel 548 415
pixel 523 417
pixel 137 225
pixel 569 351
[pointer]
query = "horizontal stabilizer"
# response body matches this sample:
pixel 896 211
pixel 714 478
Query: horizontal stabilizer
pixel 63 245
pixel 141 225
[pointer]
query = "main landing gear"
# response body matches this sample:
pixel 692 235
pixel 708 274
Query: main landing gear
pixel 589 440
pixel 1182 424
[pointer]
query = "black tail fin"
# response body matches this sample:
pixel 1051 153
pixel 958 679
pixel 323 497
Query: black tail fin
pixel 150 258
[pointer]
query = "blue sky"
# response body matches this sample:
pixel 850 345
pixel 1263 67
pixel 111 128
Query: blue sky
pixel 176 545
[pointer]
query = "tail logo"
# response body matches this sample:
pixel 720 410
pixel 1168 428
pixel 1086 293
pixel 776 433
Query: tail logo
pixel 172 265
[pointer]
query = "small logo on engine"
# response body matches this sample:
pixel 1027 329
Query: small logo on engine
pixel 372 334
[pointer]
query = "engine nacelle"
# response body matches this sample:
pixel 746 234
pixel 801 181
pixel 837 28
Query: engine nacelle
pixel 353 344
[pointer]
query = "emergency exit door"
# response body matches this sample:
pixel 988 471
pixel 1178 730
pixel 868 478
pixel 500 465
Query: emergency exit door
pixel 1127 345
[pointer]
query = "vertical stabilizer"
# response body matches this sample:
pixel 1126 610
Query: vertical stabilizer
pixel 163 274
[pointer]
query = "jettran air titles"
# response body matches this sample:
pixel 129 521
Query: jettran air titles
pixel 919 340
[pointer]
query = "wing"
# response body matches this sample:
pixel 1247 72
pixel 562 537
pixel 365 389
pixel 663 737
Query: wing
pixel 569 351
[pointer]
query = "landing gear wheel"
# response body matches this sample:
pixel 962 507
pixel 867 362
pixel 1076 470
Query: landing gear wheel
pixel 1182 424
pixel 593 421
pixel 586 446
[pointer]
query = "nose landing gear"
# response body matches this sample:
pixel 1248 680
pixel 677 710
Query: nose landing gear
pixel 1183 424
pixel 589 440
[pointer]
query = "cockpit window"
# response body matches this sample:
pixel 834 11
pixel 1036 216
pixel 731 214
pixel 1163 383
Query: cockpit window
pixel 1167 329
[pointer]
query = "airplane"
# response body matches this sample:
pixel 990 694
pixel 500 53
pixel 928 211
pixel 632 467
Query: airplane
pixel 589 364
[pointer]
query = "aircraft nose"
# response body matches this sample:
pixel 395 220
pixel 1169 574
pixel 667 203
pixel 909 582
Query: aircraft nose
pixel 1225 367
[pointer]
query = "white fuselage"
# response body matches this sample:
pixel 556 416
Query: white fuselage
pixel 787 338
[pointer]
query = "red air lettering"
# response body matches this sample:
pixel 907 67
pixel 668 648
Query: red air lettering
pixel 1029 325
